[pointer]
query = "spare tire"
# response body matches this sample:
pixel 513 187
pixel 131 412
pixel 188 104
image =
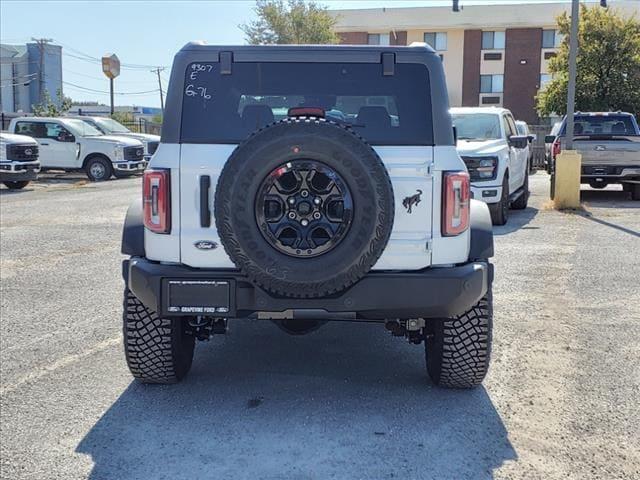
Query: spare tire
pixel 304 207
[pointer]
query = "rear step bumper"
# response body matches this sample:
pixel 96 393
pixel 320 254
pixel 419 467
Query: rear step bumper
pixel 430 293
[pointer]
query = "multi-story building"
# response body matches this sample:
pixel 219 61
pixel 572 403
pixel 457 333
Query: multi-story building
pixel 26 72
pixel 493 55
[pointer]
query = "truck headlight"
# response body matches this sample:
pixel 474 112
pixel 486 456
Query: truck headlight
pixel 118 153
pixel 481 168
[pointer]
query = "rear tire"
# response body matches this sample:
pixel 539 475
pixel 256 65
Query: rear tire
pixel 522 201
pixel 16 185
pixel 635 192
pixel 98 169
pixel 500 211
pixel 157 350
pixel 552 187
pixel 458 351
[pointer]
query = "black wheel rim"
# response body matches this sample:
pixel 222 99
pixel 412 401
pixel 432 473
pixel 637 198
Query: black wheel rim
pixel 304 208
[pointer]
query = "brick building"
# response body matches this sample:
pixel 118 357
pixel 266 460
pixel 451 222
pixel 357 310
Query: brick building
pixel 493 55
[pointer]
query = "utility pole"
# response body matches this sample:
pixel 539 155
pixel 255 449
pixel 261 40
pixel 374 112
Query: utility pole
pixel 157 71
pixel 42 42
pixel 573 54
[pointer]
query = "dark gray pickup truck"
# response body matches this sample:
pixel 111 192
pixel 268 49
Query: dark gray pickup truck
pixel 610 147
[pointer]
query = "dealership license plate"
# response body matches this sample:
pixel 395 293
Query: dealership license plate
pixel 198 296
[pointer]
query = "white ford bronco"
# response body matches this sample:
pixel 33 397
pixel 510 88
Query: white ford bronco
pixel 70 144
pixel 303 184
pixel 497 158
pixel 109 126
pixel 18 160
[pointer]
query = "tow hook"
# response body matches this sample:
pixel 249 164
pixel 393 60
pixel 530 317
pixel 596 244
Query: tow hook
pixel 412 329
pixel 203 328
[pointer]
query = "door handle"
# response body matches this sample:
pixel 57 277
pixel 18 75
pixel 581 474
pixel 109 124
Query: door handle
pixel 44 143
pixel 205 212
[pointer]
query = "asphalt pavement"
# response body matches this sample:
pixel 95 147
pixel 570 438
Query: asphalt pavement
pixel 346 402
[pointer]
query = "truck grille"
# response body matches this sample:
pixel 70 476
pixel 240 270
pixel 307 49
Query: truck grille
pixel 133 153
pixel 22 153
pixel 152 147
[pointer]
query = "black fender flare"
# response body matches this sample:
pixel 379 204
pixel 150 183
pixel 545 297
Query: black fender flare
pixel 481 230
pixel 133 231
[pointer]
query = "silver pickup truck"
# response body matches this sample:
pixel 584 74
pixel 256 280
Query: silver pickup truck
pixel 610 146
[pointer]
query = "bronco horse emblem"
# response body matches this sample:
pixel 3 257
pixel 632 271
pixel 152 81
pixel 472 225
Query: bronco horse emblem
pixel 413 200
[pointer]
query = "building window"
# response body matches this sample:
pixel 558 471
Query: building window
pixel 493 40
pixel 491 83
pixel 551 38
pixel 436 40
pixel 544 79
pixel 378 39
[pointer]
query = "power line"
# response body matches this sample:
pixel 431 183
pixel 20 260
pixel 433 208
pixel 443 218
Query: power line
pixel 66 70
pixel 104 92
pixel 90 58
pixel 27 80
pixel 19 84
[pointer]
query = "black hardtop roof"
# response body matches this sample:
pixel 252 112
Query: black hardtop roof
pixel 199 52
pixel 201 46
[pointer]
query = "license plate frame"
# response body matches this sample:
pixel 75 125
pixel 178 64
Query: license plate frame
pixel 211 297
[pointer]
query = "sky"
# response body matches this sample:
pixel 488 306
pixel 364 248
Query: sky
pixel 143 34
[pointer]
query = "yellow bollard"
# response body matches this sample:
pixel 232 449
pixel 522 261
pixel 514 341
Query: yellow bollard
pixel 567 193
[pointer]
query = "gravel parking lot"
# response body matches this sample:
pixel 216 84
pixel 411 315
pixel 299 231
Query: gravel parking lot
pixel 348 401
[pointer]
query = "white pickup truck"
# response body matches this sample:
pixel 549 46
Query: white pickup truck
pixel 70 144
pixel 18 160
pixel 496 156
pixel 109 126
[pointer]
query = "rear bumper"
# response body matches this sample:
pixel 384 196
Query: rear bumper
pixel 609 173
pixel 430 293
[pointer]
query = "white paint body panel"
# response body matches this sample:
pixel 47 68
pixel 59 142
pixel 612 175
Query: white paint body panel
pixel 166 247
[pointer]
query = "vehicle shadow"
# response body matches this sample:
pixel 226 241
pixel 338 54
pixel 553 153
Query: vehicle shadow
pixel 518 219
pixel 347 401
pixel 607 198
pixel 7 191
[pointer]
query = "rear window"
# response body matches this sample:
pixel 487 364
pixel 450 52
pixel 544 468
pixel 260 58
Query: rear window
pixel 385 110
pixel 602 125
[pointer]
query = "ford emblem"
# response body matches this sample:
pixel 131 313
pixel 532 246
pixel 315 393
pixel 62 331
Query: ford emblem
pixel 205 245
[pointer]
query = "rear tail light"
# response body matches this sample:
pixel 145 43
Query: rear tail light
pixel 555 147
pixel 156 200
pixel 455 205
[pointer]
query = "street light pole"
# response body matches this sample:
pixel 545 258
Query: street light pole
pixel 573 54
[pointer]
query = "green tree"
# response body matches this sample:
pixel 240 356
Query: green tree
pixel 608 66
pixel 293 21
pixel 49 109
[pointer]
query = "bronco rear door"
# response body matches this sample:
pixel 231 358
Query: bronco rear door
pixel 223 107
